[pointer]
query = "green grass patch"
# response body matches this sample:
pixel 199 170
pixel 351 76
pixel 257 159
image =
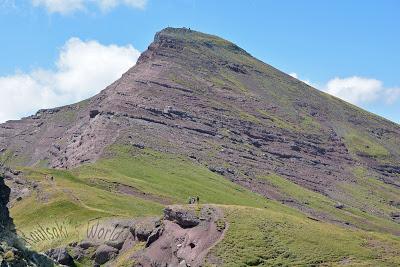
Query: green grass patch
pixel 324 205
pixel 360 144
pixel 261 237
pixel 71 195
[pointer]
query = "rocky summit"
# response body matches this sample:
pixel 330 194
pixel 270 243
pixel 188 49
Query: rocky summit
pixel 199 116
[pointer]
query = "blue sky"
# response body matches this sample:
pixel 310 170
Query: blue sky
pixel 347 48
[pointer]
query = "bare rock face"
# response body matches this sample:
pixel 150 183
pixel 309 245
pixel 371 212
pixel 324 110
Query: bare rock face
pixel 6 223
pixel 184 238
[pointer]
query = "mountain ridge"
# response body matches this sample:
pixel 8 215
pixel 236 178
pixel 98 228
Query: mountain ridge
pixel 206 99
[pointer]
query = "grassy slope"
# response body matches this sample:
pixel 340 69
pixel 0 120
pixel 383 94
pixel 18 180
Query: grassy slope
pixel 73 198
pixel 261 232
pixel 263 237
pixel 352 213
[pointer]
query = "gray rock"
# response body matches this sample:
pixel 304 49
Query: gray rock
pixel 395 214
pixel 339 206
pixel 154 235
pixel 139 145
pixel 93 113
pixel 61 256
pixel 129 242
pixel 184 218
pixel 86 244
pixel 144 228
pixel 104 254
pixel 219 170
pixel 117 244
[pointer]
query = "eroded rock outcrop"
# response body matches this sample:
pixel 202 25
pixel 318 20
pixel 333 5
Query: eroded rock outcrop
pixel 185 237
pixel 182 237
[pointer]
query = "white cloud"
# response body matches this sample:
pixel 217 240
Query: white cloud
pixel 69 6
pixel 360 90
pixel 82 70
pixel 392 95
pixel 60 6
pixel 355 89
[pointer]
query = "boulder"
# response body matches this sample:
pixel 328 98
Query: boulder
pixel 93 113
pixel 104 254
pixel 61 256
pixel 339 206
pixel 157 232
pixel 116 243
pixel 395 214
pixel 138 145
pixel 184 218
pixel 85 244
pixel 143 229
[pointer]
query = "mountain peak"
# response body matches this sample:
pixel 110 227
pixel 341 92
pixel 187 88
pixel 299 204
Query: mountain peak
pixel 194 38
pixel 192 45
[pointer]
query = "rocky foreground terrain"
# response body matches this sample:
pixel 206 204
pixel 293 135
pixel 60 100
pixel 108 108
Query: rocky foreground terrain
pixel 197 115
pixel 12 249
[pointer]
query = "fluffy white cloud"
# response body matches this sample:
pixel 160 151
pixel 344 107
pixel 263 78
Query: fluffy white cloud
pixel 359 90
pixel 82 70
pixel 60 6
pixel 355 89
pixel 70 6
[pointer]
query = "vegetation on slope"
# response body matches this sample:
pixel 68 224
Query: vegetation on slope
pixel 353 211
pixel 262 237
pixel 260 232
pixel 74 197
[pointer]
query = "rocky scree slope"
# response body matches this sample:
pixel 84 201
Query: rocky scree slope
pixel 204 98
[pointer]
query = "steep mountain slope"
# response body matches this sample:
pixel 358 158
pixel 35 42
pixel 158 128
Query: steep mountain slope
pixel 196 107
